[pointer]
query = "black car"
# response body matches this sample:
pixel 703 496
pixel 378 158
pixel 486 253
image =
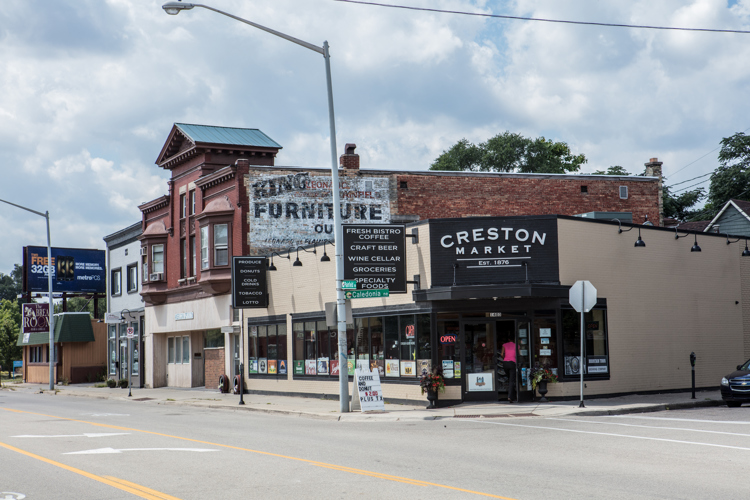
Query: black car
pixel 735 387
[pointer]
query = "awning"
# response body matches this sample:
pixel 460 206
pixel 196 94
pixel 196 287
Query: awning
pixel 504 291
pixel 69 327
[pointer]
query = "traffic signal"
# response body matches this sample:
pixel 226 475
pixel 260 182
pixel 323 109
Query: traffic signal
pixel 65 268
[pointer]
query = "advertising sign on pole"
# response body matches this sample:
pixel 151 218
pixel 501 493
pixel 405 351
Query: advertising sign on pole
pixel 74 270
pixel 375 256
pixel 249 284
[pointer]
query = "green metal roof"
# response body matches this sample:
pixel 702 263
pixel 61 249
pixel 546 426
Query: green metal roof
pixel 69 327
pixel 227 135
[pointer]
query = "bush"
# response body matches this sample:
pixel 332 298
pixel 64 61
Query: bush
pixel 111 383
pixel 123 383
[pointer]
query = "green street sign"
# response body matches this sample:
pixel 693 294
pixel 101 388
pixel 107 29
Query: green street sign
pixel 349 285
pixel 367 294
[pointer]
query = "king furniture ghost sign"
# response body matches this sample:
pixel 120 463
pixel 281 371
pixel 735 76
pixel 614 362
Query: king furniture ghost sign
pixel 479 251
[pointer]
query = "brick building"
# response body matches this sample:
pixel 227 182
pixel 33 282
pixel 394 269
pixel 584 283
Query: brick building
pixel 226 197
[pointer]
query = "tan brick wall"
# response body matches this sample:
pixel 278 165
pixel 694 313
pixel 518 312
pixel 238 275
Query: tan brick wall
pixel 663 302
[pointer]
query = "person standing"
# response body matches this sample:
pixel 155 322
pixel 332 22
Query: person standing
pixel 508 355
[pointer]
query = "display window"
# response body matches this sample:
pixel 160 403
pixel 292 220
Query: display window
pixel 595 359
pixel 544 331
pixel 266 348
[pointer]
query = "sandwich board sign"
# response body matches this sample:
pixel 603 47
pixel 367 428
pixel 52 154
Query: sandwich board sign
pixel 368 395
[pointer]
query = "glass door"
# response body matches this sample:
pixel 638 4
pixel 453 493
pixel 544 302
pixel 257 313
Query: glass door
pixel 523 340
pixel 478 353
pixel 124 358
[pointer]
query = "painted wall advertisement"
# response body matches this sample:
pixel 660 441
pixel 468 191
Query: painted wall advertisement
pixel 74 270
pixel 297 209
pixel 494 250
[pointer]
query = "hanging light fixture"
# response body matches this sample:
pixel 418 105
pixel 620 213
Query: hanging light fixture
pixel 298 263
pixel 272 267
pixel 639 242
pixel 746 252
pixel 695 247
pixel 325 257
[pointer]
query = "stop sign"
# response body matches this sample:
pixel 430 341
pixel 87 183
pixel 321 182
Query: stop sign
pixel 582 296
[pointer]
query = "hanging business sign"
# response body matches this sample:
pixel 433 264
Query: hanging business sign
pixel 74 270
pixel 35 318
pixel 375 256
pixel 249 285
pixel 297 209
pixel 478 251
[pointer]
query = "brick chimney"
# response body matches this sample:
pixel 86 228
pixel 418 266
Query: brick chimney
pixel 349 160
pixel 653 169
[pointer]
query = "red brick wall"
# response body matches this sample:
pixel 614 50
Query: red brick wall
pixel 435 196
pixel 214 366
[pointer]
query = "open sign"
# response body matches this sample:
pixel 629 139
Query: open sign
pixel 447 339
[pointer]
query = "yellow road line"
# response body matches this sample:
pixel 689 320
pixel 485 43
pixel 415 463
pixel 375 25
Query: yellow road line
pixel 350 470
pixel 120 484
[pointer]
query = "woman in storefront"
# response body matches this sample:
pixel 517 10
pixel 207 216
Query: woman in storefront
pixel 508 355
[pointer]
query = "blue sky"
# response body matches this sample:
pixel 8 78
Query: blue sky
pixel 89 90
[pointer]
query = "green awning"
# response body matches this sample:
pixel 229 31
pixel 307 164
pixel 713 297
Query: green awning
pixel 69 327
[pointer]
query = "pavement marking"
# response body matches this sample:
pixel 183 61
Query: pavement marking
pixel 105 451
pixel 610 434
pixel 350 470
pixel 650 426
pixel 682 419
pixel 85 434
pixel 137 490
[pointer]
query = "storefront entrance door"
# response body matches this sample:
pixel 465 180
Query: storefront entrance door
pixel 478 352
pixel 516 331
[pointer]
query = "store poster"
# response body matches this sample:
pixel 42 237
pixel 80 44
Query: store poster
pixel 391 368
pixel 322 366
pixel 299 367
pixel 378 365
pixel 350 364
pixel 272 367
pixel 252 366
pixel 480 382
pixel 545 352
pixel 310 367
pixel 363 364
pixel 282 367
pixel 334 367
pixel 448 368
pixel 408 368
pixel 424 367
pixel 457 369
pixel 263 365
pixel 545 332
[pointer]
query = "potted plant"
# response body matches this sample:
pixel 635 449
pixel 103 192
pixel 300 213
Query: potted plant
pixel 123 383
pixel 540 376
pixel 111 383
pixel 432 383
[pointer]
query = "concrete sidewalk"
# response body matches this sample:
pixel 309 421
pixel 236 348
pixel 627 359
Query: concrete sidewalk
pixel 329 409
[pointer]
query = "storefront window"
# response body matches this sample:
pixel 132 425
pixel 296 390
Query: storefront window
pixel 595 353
pixel 213 338
pixel 544 330
pixel 170 350
pixel 408 330
pixel 298 331
pixel 323 353
pixel 377 352
pixel 135 359
pixel 281 348
pixel 112 349
pixel 186 349
pixel 390 330
pixel 448 354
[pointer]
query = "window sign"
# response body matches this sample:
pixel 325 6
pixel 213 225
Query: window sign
pixel 448 368
pixel 545 352
pixel 545 332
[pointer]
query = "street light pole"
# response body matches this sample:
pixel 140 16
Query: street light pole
pixel 51 321
pixel 174 8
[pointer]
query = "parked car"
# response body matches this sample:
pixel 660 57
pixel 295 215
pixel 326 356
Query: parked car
pixel 735 387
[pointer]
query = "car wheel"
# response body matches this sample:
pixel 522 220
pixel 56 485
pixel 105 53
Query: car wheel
pixel 733 404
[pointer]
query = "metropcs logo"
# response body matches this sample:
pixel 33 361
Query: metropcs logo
pixel 510 241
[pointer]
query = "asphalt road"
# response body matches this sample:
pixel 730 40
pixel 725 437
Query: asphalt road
pixel 69 447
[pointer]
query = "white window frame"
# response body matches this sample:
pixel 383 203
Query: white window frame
pixel 157 266
pixel 221 246
pixel 132 278
pixel 116 285
pixel 204 247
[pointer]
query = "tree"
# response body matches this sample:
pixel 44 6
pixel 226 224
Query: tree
pixel 11 285
pixel 82 304
pixel 678 207
pixel 732 177
pixel 509 152
pixel 10 326
pixel 613 170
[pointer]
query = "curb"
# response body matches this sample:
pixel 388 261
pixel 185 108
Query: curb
pixel 650 408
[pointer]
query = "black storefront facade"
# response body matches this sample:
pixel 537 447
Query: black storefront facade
pixel 484 281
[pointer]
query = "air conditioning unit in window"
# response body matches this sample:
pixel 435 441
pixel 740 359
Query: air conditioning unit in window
pixel 155 276
pixel 144 250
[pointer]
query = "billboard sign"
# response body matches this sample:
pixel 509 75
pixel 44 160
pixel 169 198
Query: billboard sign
pixel 297 209
pixel 375 256
pixel 35 318
pixel 249 284
pixel 74 270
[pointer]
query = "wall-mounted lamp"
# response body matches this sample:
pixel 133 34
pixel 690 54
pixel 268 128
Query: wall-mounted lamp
pixel 272 267
pixel 325 257
pixel 122 315
pixel 746 253
pixel 298 263
pixel 639 242
pixel 695 247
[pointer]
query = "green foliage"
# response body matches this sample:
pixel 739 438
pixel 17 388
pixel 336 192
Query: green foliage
pixel 82 304
pixel 111 383
pixel 731 180
pixel 10 326
pixel 679 206
pixel 11 285
pixel 542 373
pixel 509 152
pixel 613 170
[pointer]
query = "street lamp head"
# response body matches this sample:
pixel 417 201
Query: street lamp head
pixel 174 8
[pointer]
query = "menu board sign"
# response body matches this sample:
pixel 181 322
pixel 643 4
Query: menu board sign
pixel 249 286
pixel 375 256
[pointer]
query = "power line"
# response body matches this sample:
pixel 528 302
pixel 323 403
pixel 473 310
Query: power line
pixel 683 182
pixel 519 18
pixel 686 188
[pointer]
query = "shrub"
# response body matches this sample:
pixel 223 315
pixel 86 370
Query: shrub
pixel 111 383
pixel 123 383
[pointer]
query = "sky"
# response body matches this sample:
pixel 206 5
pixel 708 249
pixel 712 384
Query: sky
pixel 89 90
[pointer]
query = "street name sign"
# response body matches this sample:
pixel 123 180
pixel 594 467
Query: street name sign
pixel 349 285
pixel 367 294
